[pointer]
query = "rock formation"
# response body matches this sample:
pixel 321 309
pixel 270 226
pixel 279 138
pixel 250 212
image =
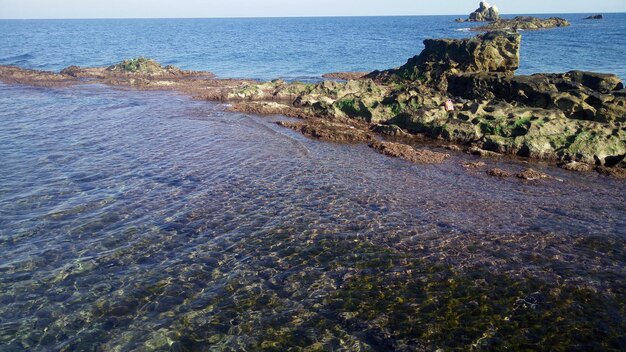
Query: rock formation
pixel 524 23
pixel 594 17
pixel 575 116
pixel 484 13
pixel 490 52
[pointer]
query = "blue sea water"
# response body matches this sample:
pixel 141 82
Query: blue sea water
pixel 267 48
pixel 141 221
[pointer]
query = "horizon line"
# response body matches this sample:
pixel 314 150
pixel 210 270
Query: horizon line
pixel 273 17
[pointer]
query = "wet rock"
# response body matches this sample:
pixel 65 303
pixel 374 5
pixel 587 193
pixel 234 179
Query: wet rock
pixel 483 152
pixel 484 13
pixel 531 175
pixel 499 173
pixel 389 130
pixel 473 165
pixel 452 147
pixel 525 23
pixel 594 17
pixel 576 166
pixel 329 131
pixel 409 153
pixel 266 108
pixel 73 71
pixel 12 74
pixel 618 173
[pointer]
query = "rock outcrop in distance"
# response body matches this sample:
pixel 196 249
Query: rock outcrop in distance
pixel 523 23
pixel 594 17
pixel 484 13
pixel 577 118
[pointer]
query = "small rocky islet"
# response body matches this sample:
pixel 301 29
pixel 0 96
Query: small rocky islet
pixel 524 23
pixel 491 14
pixel 456 91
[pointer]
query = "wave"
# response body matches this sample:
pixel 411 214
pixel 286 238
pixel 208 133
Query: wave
pixel 18 60
pixel 23 57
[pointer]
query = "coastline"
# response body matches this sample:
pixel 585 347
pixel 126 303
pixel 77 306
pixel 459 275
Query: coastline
pixel 406 103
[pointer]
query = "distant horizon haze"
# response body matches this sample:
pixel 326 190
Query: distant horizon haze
pixel 131 9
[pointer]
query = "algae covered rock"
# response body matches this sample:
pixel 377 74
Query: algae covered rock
pixel 141 65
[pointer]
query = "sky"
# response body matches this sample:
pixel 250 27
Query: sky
pixel 20 9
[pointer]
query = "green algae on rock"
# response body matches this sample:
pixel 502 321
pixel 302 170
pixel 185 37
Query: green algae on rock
pixel 141 65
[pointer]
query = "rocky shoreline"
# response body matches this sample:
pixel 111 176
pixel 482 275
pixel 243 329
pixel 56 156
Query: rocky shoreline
pixel 462 92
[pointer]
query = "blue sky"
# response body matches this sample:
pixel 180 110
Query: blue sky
pixel 281 8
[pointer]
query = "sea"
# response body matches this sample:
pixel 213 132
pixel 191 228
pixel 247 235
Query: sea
pixel 295 48
pixel 149 221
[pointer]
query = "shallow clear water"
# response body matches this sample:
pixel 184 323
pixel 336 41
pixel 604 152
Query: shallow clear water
pixel 294 48
pixel 149 221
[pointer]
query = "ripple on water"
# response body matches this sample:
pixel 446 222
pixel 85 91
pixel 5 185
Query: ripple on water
pixel 136 221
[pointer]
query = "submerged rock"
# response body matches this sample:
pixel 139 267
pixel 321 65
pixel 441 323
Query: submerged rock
pixel 618 173
pixel 409 153
pixel 531 175
pixel 524 23
pixel 482 152
pixel 576 166
pixel 473 165
pixel 484 13
pixel 329 131
pixel 496 172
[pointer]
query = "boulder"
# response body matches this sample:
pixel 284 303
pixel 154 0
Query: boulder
pixel 594 17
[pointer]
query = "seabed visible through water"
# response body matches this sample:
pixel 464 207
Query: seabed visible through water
pixel 149 221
